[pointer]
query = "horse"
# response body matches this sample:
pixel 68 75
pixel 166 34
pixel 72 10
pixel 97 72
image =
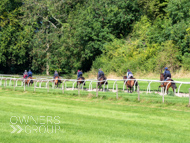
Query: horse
pixel 29 81
pixel 130 83
pixel 166 84
pixel 103 80
pixel 57 81
pixel 80 82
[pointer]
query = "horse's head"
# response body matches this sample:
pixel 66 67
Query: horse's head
pixel 161 77
pixel 124 77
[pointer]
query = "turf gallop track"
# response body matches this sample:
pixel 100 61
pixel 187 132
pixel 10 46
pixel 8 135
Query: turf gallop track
pixel 87 119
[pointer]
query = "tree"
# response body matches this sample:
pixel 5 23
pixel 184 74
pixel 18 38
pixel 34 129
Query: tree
pixel 13 38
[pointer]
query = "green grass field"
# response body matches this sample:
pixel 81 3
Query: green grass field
pixel 90 119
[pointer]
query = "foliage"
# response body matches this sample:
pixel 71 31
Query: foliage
pixel 186 61
pixel 14 37
pixel 79 34
pixel 153 43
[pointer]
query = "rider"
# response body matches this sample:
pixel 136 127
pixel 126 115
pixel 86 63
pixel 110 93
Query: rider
pixel 100 74
pixel 79 74
pixel 167 74
pixel 25 74
pixel 129 74
pixel 56 75
pixel 29 73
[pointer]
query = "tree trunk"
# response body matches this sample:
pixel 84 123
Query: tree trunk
pixel 47 64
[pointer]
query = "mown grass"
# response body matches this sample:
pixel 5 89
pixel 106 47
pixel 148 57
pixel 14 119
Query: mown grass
pixel 90 119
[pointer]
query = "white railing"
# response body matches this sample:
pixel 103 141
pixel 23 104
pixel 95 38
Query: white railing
pixel 64 85
pixel 39 81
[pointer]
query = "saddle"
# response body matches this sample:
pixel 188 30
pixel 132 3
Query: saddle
pixel 167 78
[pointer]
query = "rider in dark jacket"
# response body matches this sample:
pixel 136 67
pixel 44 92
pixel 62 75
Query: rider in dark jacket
pixel 79 74
pixel 100 74
pixel 129 74
pixel 29 73
pixel 167 74
pixel 56 74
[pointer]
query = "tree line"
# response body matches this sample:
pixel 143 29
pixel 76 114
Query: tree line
pixel 116 35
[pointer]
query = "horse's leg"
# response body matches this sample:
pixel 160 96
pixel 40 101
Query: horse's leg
pixel 101 86
pixel 173 89
pixel 158 88
pixel 166 90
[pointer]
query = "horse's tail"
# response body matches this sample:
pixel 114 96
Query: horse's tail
pixel 174 85
pixel 104 78
pixel 136 83
pixel 132 83
pixel 31 81
pixel 83 80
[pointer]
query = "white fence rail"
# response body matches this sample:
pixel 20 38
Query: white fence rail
pixel 38 84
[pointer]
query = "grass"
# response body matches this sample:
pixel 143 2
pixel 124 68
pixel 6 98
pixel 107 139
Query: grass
pixel 89 119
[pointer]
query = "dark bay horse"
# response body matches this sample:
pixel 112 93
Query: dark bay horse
pixel 57 81
pixel 80 82
pixel 166 84
pixel 29 81
pixel 130 83
pixel 102 80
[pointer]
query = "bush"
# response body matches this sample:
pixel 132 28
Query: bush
pixel 186 61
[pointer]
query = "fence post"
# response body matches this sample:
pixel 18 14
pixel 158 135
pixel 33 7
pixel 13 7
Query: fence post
pixel 5 82
pixel 48 86
pixel 163 94
pixel 34 86
pixel 78 88
pixel 14 84
pixel 63 86
pixel 138 89
pixel 24 84
pixel 97 89
pixel 116 90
